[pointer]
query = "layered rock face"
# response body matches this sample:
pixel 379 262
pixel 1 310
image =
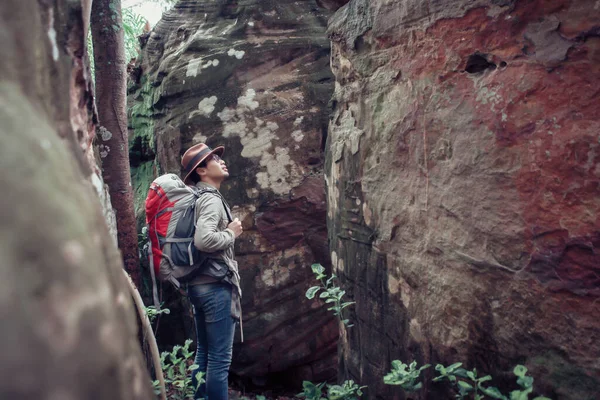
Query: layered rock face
pixel 463 188
pixel 255 77
pixel 68 328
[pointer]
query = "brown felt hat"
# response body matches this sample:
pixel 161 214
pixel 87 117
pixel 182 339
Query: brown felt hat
pixel 194 157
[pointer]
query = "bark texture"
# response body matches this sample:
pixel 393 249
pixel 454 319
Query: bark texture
pixel 68 329
pixel 254 76
pixel 463 177
pixel 111 101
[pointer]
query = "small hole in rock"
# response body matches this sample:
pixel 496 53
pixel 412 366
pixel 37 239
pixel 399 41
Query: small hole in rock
pixel 478 63
pixel 503 64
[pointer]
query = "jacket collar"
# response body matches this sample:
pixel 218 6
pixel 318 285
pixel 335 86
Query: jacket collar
pixel 204 186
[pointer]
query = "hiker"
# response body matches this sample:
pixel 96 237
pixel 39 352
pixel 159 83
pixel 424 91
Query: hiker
pixel 216 301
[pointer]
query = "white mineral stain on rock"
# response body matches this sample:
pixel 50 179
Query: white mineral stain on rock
pixel 199 138
pixel 248 100
pixel 279 172
pixel 104 133
pixel 234 128
pixel 52 35
pixel 333 191
pixel 226 114
pixel 298 135
pixel 272 276
pixel 367 214
pixel 393 285
pixel 230 27
pixel 489 96
pixel 298 121
pixel 193 67
pixel 239 54
pixel 104 150
pixel 205 107
pixel 251 23
pixel 196 66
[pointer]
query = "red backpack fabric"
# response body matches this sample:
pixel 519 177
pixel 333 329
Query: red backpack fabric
pixel 170 216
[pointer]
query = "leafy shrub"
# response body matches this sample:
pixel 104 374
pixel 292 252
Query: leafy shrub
pixel 176 365
pixel 331 293
pixel 405 378
pixel 346 391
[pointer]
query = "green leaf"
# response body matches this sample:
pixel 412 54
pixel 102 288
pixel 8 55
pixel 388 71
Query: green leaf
pixel 452 367
pixel 311 292
pixel 331 278
pixel 324 293
pixel 525 382
pixel 461 372
pixel 465 385
pixel 471 375
pixel 542 398
pixel 318 269
pixel 520 370
pixel 519 395
pixel 493 392
pixel 348 303
pixel 484 379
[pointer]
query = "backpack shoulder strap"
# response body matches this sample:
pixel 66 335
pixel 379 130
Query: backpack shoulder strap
pixel 215 193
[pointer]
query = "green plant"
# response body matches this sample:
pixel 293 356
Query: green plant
pixel 331 293
pixel 526 383
pixel 133 26
pixel 346 391
pixel 176 368
pixel 153 313
pixel 405 376
pixel 310 391
pixel 470 385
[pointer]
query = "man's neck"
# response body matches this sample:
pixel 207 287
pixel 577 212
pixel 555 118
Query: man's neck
pixel 213 183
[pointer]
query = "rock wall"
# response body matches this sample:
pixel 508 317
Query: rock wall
pixel 68 327
pixel 463 178
pixel 254 76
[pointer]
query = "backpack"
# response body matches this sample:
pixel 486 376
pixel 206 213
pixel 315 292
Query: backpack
pixel 171 222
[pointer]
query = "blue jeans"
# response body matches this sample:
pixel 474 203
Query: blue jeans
pixel 214 332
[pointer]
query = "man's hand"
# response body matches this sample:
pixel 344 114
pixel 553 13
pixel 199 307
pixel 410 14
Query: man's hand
pixel 236 227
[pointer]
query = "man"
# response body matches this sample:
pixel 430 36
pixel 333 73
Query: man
pixel 216 302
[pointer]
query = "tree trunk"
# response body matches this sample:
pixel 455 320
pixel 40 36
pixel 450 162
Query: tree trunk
pixel 111 88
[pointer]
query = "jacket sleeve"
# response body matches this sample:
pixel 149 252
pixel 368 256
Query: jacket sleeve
pixel 208 238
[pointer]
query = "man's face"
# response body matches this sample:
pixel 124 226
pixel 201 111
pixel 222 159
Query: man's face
pixel 215 169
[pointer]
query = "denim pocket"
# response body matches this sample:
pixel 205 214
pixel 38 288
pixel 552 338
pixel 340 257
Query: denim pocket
pixel 213 299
